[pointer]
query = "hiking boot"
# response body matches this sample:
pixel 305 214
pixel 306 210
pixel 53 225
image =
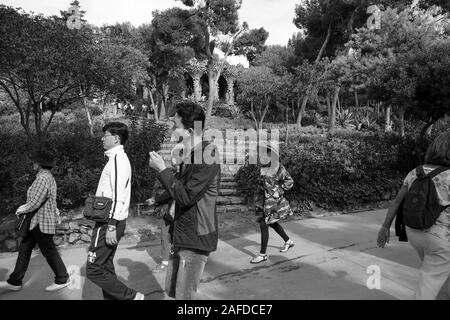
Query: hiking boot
pixel 289 244
pixel 259 258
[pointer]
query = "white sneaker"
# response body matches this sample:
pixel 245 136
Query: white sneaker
pixel 259 258
pixel 289 244
pixel 55 287
pixel 6 286
pixel 139 296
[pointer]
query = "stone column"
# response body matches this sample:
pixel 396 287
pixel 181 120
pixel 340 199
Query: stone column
pixel 230 90
pixel 197 88
pixel 145 95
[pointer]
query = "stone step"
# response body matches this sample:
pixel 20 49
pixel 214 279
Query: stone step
pixel 233 208
pixel 228 184
pixel 229 192
pixel 227 178
pixel 229 200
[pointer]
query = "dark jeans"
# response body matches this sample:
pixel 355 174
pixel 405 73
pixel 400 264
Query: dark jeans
pixel 265 233
pixel 100 264
pixel 184 273
pixel 48 249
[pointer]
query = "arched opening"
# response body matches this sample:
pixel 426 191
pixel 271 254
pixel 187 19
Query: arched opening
pixel 189 82
pixel 204 84
pixel 223 88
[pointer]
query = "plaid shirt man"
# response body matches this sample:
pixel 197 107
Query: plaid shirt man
pixel 43 187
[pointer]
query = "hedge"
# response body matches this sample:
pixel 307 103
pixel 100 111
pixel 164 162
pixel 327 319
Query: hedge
pixel 344 171
pixel 79 163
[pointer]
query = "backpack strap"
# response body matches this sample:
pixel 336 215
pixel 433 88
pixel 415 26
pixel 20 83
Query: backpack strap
pixel 437 171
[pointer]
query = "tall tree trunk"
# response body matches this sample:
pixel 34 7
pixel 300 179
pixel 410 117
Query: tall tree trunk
pixel 153 106
pixel 164 99
pixel 332 115
pixel 212 80
pixel 253 114
pixel 104 111
pixel 356 99
pixel 387 126
pixel 311 87
pixel 287 121
pixel 401 114
pixel 324 44
pixel 339 104
pixel 89 117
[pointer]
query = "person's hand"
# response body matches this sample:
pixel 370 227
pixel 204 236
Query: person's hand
pixel 172 211
pixel 156 162
pixel 383 237
pixel 111 238
pixel 20 210
pixel 150 201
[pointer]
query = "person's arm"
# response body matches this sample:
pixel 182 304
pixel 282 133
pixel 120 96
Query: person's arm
pixel 38 194
pixel 120 179
pixel 393 208
pixel 163 198
pixel 186 195
pixel 384 233
pixel 286 180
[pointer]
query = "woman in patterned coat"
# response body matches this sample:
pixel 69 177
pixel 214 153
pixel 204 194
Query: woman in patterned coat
pixel 270 205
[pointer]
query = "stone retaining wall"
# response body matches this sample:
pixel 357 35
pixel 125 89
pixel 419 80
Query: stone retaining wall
pixel 71 231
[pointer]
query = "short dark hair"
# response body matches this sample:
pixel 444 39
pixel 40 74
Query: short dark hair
pixel 438 153
pixel 117 128
pixel 190 112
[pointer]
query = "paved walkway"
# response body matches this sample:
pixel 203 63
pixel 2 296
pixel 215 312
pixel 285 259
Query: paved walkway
pixel 331 259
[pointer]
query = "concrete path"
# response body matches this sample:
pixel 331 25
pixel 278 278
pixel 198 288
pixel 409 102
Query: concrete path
pixel 333 258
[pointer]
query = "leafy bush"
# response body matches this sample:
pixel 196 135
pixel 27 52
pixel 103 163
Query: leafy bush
pixel 79 163
pixel 246 179
pixel 344 118
pixel 145 135
pixel 345 170
pixel 225 111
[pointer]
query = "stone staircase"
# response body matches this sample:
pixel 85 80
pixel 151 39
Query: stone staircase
pixel 229 199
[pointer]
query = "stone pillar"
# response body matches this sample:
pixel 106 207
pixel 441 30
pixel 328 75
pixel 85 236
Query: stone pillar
pixel 230 91
pixel 145 94
pixel 197 87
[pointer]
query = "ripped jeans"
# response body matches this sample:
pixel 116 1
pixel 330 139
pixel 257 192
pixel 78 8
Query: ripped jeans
pixel 184 273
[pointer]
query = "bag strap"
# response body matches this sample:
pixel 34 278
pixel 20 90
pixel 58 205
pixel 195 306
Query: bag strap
pixel 437 171
pixel 115 187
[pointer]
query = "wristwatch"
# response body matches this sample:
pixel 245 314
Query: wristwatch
pixel 111 228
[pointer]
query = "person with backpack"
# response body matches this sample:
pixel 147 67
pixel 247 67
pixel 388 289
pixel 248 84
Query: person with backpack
pixel 423 202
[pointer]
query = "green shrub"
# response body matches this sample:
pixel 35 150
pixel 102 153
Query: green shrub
pixel 344 170
pixel 79 162
pixel 246 179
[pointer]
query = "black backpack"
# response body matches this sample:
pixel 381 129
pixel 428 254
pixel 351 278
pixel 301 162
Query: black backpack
pixel 421 206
